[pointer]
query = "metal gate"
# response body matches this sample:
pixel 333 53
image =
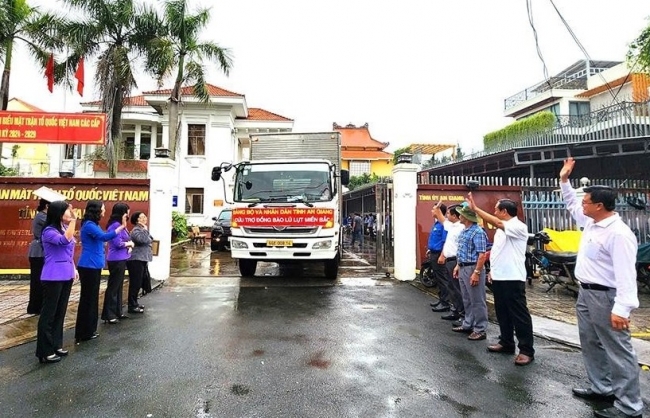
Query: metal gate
pixel 375 200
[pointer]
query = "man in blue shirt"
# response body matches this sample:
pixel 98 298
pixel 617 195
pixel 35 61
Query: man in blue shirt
pixel 437 238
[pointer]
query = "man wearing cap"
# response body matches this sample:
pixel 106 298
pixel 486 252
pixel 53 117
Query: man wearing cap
pixel 508 277
pixel 605 268
pixel 472 245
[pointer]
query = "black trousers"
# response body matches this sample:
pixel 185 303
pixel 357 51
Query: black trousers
pixel 35 290
pixel 113 297
pixel 49 336
pixel 88 310
pixel 512 314
pixel 440 273
pixel 455 295
pixel 136 273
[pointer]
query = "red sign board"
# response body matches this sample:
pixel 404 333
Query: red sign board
pixel 246 217
pixel 53 128
pixel 18 206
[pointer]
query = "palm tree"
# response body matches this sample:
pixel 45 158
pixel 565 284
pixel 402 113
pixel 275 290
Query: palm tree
pixel 117 33
pixel 181 50
pixel 21 23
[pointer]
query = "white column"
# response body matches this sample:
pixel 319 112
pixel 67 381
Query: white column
pixel 136 142
pixel 404 222
pixel 162 179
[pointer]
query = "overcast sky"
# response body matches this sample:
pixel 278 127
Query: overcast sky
pixel 417 71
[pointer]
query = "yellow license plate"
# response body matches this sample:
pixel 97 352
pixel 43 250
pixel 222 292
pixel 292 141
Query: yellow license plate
pixel 279 243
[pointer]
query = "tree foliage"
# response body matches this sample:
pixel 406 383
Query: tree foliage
pixel 399 152
pixel 365 178
pixel 117 33
pixel 7 171
pixel 181 50
pixel 639 51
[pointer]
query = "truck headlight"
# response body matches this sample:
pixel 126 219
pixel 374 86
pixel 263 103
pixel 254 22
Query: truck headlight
pixel 240 245
pixel 322 245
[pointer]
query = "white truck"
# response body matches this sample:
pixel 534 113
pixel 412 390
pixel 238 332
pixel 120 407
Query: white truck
pixel 287 201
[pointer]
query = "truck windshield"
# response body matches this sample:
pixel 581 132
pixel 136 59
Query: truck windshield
pixel 286 182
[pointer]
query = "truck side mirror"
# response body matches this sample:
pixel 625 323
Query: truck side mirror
pixel 216 173
pixel 345 177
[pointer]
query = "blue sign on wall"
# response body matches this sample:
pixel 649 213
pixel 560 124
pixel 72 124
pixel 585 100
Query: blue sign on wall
pixel 175 201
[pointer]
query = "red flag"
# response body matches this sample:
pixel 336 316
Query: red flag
pixel 79 75
pixel 49 73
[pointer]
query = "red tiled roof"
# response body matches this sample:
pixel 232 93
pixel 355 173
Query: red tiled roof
pixel 189 91
pixel 255 113
pixel 358 137
pixel 129 101
pixel 31 108
pixel 365 155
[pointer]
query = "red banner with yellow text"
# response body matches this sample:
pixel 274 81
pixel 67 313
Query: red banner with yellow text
pixel 52 128
pixel 266 217
pixel 18 206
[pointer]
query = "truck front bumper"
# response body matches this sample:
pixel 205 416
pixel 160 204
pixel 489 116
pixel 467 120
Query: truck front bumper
pixel 325 248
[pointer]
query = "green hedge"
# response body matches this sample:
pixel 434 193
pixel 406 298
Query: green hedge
pixel 534 124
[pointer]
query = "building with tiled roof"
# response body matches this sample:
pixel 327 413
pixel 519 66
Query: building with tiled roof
pixel 361 153
pixel 27 159
pixel 210 134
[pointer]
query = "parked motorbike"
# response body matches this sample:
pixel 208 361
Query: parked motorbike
pixel 552 267
pixel 427 278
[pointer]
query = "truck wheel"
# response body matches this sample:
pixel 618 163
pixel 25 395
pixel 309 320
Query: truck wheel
pixel 332 268
pixel 247 267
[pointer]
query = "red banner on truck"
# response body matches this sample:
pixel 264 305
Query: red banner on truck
pixel 252 217
pixel 53 128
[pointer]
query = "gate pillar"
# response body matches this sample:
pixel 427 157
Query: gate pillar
pixel 404 220
pixel 161 180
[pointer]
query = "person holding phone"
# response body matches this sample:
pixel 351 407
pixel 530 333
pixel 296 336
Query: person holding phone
pixel 91 263
pixel 58 274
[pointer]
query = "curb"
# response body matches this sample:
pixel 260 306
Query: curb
pixel 553 330
pixel 15 334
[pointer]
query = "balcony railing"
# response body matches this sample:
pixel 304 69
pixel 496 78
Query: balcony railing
pixel 620 121
pixel 574 81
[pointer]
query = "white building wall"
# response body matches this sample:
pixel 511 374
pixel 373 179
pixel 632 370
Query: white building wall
pixel 606 98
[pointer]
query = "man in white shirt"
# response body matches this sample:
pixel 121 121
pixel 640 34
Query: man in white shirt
pixel 448 257
pixel 508 277
pixel 605 268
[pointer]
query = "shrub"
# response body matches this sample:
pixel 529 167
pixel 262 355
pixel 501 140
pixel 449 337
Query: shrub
pixel 532 125
pixel 179 225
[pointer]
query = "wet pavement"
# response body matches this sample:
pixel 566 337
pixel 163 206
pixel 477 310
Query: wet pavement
pixel 220 347
pixel 289 342
pixel 554 310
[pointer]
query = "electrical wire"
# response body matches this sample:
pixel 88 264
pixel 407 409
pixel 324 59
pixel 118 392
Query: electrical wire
pixel 584 51
pixel 529 10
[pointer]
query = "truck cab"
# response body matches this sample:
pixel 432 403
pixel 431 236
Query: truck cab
pixel 287 206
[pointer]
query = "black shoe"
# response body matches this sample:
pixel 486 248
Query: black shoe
pixel 450 316
pixel 457 323
pixel 434 304
pixel 613 412
pixel 123 317
pixel 61 352
pixel 136 310
pixel 586 393
pixel 92 337
pixel 112 321
pixel 441 308
pixel 52 358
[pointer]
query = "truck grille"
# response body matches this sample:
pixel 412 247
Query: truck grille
pixel 263 245
pixel 287 231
